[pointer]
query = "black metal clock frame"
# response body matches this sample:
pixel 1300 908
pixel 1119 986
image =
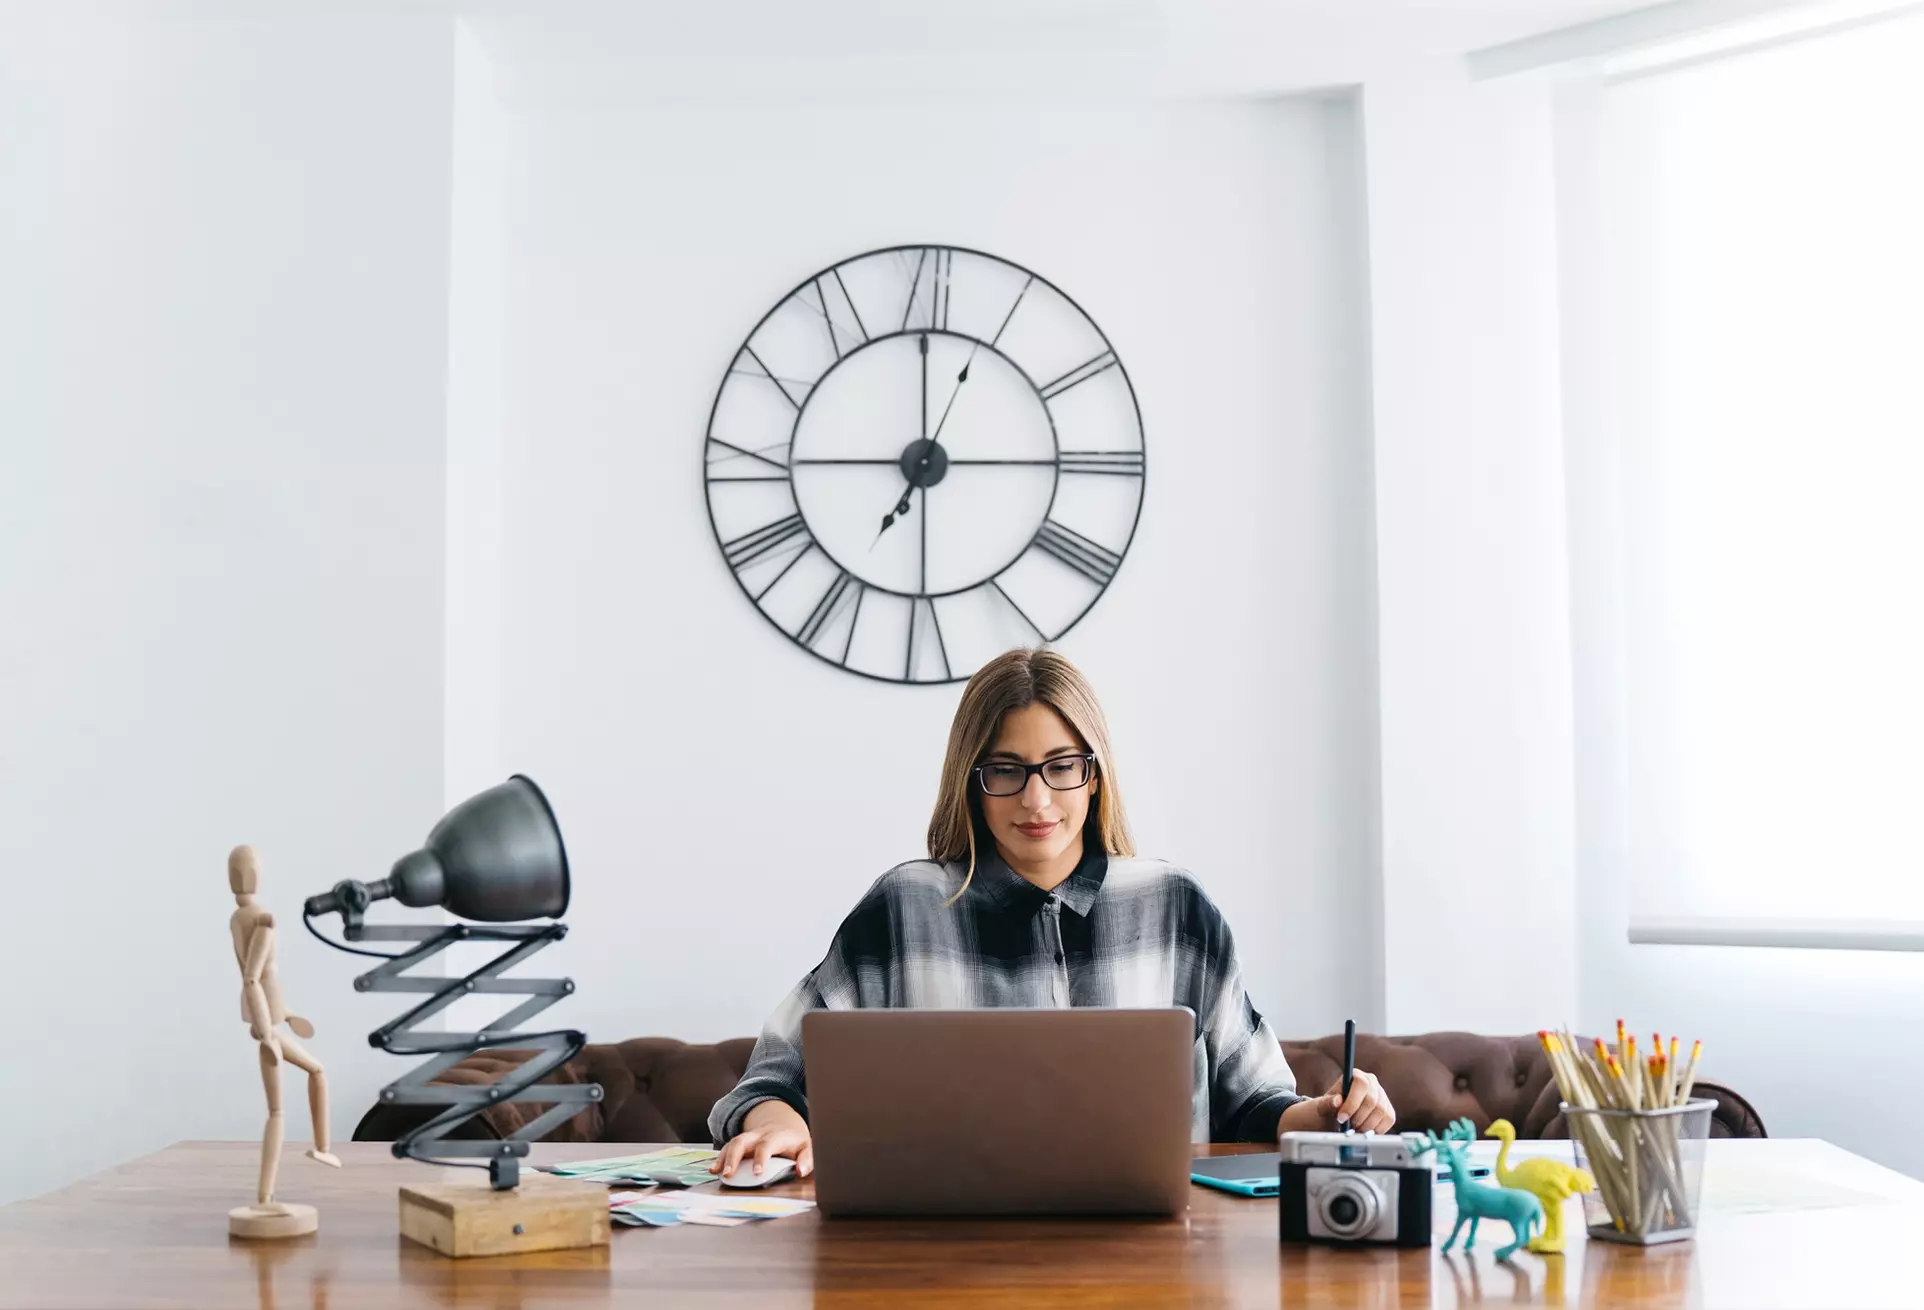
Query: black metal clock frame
pixel 1094 561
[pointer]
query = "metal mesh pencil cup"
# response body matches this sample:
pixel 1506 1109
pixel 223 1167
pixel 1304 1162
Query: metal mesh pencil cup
pixel 1649 1168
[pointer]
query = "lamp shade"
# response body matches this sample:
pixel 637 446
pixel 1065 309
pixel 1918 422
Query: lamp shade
pixel 496 857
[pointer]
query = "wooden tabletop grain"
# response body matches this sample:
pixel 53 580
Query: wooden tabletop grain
pixel 152 1233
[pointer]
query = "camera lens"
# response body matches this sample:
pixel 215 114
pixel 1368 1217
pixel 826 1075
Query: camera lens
pixel 1349 1205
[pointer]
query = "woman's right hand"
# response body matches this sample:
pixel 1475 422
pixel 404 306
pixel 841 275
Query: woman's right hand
pixel 770 1128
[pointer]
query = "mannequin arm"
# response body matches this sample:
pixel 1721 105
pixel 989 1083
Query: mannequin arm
pixel 260 949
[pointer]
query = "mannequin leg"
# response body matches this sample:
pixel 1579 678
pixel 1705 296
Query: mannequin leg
pixel 298 1056
pixel 271 1137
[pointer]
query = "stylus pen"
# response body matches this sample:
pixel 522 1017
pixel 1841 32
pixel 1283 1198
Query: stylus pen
pixel 1349 1064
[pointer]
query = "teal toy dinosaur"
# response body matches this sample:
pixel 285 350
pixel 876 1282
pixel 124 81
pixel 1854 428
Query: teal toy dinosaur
pixel 1476 1202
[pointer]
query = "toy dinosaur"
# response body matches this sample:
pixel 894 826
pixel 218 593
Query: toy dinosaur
pixel 1550 1181
pixel 1477 1202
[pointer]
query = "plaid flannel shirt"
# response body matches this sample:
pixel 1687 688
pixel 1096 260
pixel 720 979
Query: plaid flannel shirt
pixel 1119 932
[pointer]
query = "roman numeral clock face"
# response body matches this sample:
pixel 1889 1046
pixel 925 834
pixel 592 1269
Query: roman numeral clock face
pixel 922 457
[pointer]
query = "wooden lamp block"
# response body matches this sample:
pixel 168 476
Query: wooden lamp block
pixel 542 1214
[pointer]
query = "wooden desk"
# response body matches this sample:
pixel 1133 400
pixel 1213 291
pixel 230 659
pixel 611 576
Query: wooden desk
pixel 152 1233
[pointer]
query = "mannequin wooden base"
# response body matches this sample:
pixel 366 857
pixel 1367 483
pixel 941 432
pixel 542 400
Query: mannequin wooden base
pixel 275 1219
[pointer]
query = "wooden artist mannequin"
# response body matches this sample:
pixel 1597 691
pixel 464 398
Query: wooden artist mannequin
pixel 263 1010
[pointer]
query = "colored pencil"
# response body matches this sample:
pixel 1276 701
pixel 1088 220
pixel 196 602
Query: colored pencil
pixel 1637 1162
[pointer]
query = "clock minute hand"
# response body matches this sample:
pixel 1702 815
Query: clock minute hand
pixel 963 376
pixel 960 378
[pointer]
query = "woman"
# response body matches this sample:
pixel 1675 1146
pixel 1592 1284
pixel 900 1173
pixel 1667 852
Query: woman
pixel 1032 884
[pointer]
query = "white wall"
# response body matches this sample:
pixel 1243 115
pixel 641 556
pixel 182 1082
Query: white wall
pixel 1472 585
pixel 477 332
pixel 222 347
pixel 689 748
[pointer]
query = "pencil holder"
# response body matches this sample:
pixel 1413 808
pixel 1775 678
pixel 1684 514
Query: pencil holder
pixel 1649 1167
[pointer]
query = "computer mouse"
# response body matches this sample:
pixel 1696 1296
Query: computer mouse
pixel 777 1170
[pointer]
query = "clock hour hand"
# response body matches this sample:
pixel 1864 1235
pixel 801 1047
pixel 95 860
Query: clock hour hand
pixel 888 519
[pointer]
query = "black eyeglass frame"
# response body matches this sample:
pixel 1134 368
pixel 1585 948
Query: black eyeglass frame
pixel 1031 770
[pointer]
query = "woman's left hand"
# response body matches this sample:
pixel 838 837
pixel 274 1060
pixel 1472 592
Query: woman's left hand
pixel 1367 1108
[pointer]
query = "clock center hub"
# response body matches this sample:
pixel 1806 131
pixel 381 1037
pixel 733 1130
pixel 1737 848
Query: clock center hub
pixel 924 462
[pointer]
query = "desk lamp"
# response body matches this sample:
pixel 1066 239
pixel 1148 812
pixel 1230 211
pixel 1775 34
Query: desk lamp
pixel 495 859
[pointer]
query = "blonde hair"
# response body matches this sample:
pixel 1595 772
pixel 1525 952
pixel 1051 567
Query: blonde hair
pixel 1012 681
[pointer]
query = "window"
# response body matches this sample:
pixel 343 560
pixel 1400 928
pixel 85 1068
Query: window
pixel 1756 308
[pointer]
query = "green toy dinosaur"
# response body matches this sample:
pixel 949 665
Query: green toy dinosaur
pixel 1477 1202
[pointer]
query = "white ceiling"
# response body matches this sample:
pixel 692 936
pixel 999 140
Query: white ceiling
pixel 894 27
pixel 735 49
pixel 556 51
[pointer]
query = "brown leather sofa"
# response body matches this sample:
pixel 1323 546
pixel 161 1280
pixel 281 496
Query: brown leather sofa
pixel 656 1089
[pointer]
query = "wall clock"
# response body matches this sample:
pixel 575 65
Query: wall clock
pixel 921 457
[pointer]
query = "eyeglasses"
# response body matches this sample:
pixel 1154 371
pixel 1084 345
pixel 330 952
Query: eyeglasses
pixel 1063 773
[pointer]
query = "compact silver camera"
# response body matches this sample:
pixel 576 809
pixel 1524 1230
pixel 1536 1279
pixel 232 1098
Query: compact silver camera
pixel 1343 1189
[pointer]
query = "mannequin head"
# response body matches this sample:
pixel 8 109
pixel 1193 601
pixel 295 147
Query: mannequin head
pixel 243 871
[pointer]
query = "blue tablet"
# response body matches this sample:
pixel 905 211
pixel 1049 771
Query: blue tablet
pixel 1245 1175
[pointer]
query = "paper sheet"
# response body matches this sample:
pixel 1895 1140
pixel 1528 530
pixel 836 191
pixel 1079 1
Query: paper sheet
pixel 721 1209
pixel 684 1166
pixel 1741 1187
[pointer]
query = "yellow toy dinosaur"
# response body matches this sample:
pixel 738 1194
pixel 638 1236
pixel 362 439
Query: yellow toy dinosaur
pixel 1550 1181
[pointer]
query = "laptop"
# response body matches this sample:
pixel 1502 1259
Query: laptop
pixel 927 1112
